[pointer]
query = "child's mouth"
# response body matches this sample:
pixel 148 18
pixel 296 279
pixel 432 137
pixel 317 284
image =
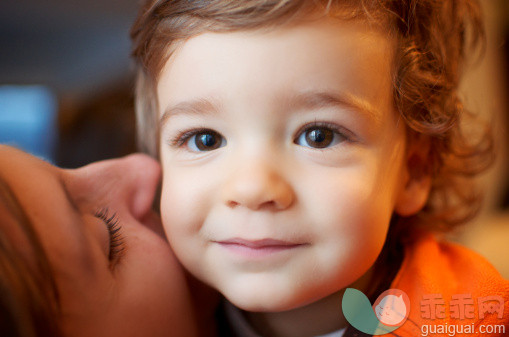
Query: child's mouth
pixel 257 248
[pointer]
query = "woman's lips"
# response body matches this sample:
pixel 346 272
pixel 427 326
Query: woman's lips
pixel 257 248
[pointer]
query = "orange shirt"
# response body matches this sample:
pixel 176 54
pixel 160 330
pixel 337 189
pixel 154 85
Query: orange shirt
pixel 451 290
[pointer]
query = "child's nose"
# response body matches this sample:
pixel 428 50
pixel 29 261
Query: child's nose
pixel 257 185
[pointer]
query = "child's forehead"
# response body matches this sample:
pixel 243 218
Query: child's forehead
pixel 318 62
pixel 349 12
pixel 308 31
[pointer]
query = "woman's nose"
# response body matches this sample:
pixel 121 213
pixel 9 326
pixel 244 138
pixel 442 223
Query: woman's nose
pixel 257 186
pixel 139 177
pixel 126 183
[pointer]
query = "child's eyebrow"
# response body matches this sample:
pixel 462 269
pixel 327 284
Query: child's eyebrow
pixel 200 106
pixel 312 100
pixel 309 100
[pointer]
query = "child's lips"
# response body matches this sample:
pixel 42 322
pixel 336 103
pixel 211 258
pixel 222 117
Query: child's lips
pixel 262 243
pixel 258 248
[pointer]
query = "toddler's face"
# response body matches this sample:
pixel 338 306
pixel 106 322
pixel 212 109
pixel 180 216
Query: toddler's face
pixel 283 159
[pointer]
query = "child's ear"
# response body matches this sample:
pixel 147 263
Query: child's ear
pixel 416 181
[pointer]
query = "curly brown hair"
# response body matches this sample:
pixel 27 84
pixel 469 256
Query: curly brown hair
pixel 433 39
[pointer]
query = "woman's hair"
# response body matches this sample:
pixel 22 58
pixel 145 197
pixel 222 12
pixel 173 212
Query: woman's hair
pixel 28 293
pixel 433 38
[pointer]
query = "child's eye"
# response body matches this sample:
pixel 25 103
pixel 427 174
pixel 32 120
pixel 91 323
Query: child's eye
pixel 200 140
pixel 320 136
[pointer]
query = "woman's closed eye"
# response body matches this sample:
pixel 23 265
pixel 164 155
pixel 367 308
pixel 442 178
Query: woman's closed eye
pixel 116 238
pixel 320 135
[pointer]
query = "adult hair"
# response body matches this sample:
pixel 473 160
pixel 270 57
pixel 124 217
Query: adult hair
pixel 433 39
pixel 28 293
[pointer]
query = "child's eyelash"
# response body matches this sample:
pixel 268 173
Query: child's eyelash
pixel 333 127
pixel 183 136
pixel 116 239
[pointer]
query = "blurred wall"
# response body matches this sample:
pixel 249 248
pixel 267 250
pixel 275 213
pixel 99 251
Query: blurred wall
pixel 485 90
pixel 79 51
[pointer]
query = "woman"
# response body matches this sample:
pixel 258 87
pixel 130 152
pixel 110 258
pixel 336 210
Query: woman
pixel 82 253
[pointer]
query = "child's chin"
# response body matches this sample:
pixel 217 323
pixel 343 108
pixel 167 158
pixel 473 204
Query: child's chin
pixel 259 293
pixel 263 303
pixel 263 307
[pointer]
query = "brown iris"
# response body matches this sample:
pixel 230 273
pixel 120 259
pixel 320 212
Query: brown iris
pixel 319 137
pixel 207 141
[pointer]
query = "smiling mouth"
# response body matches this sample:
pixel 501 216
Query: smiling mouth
pixel 258 248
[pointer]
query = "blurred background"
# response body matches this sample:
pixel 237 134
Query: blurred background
pixel 66 94
pixel 65 73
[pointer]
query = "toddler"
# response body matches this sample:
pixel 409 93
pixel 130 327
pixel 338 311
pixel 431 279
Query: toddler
pixel 309 147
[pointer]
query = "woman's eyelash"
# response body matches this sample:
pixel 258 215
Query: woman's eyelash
pixel 116 239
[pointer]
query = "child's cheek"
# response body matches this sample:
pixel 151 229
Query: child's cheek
pixel 353 204
pixel 176 203
pixel 179 213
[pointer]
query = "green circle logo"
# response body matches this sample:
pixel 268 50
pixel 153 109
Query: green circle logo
pixel 387 314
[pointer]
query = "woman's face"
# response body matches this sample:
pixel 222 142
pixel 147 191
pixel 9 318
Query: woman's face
pixel 110 283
